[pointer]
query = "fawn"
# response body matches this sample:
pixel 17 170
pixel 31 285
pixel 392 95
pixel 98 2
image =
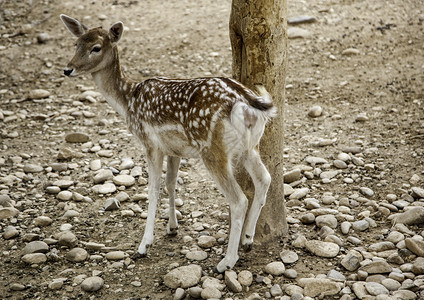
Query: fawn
pixel 217 120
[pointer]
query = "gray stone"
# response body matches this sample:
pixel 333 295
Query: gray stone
pixel 64 195
pixel 299 193
pixel 377 267
pixel 5 201
pixel 126 164
pixel 31 168
pixel 34 258
pixel 366 191
pixel 96 165
pixel 391 284
pixel 336 275
pixel 8 212
pixel 42 221
pixel 112 204
pixel 56 284
pixel 36 247
pixel 10 232
pixel 417 192
pixel 308 218
pixel 197 255
pixel 103 175
pixel 92 284
pixel 231 281
pixel 313 160
pixel 184 277
pixel 290 273
pixel 329 174
pixel 245 278
pixel 116 255
pixel 350 51
pixel 301 20
pixel 418 266
pixel 340 164
pixel 296 33
pixel 67 239
pixel 77 255
pixel 213 282
pixel 275 268
pixel 322 249
pixel 326 220
pixel 38 94
pixel 413 216
pixel 276 290
pixel 405 295
pixel 125 180
pixel 345 227
pixel 415 246
pixel 315 111
pixel 360 225
pixel 352 260
pixel 63 184
pixel 288 257
pixel 359 289
pixel 195 292
pixel 292 175
pixel 314 287
pixel 211 293
pixel 375 288
pixel 77 137
pixel 179 294
pixel 395 237
pixel 292 289
pixel 106 188
pixel 381 246
pixel 206 241
pixel 16 287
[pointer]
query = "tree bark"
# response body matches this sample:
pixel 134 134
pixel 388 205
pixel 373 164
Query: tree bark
pixel 258 33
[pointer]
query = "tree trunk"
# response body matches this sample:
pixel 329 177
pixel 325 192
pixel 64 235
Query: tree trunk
pixel 258 33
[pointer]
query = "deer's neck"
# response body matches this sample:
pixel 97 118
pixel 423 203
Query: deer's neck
pixel 114 85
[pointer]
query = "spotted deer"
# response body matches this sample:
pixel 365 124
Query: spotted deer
pixel 217 120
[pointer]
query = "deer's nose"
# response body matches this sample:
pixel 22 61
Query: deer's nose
pixel 68 72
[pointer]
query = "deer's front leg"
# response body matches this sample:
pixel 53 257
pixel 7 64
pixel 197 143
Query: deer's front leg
pixel 170 182
pixel 154 162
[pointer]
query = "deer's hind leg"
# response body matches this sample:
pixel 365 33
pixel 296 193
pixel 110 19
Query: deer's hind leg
pixel 170 182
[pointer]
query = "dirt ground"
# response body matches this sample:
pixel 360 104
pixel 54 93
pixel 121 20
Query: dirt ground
pixel 381 82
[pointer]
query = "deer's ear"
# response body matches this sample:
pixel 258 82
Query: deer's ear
pixel 73 25
pixel 115 32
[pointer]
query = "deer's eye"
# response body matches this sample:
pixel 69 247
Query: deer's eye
pixel 96 49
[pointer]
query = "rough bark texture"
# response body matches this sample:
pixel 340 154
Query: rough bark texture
pixel 258 32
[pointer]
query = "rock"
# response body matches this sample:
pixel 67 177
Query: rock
pixel 31 168
pixel 10 232
pixel 413 216
pixel 315 111
pixel 345 227
pixel 42 221
pixel 290 273
pixel 276 290
pixel 418 266
pixel 92 284
pixel 34 258
pixel 125 180
pixel 360 225
pixel 68 239
pixel 308 218
pixel 179 294
pixel 43 38
pixel 292 175
pixel 64 196
pixel 184 277
pixel 275 268
pixel 395 237
pixel 195 292
pixel 102 176
pixel 366 191
pixel 8 212
pixel 231 281
pixel 339 164
pixel 299 242
pixel 375 288
pixel 299 193
pixel 415 246
pixel 206 241
pixel 315 160
pixel 336 276
pixel 289 257
pixel 96 165
pixel 350 51
pixel 361 117
pixel 404 295
pixel 296 33
pixel 417 192
pixel 16 287
pixel 77 255
pixel 112 204
pixel 352 260
pixel 197 255
pixel 106 188
pixel 381 246
pixel 301 19
pixel 326 220
pixel 38 94
pixel 328 174
pixel 5 201
pixel 245 278
pixel 59 167
pixel 116 255
pixel 70 214
pixel 77 137
pixel 211 293
pixel 314 287
pixel 213 282
pixel 56 284
pixel 322 249
pixel 391 284
pixel 63 184
pixel 376 267
pixel 36 247
pixel 359 289
pixel 94 246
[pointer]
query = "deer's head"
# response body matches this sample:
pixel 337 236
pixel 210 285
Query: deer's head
pixel 95 48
